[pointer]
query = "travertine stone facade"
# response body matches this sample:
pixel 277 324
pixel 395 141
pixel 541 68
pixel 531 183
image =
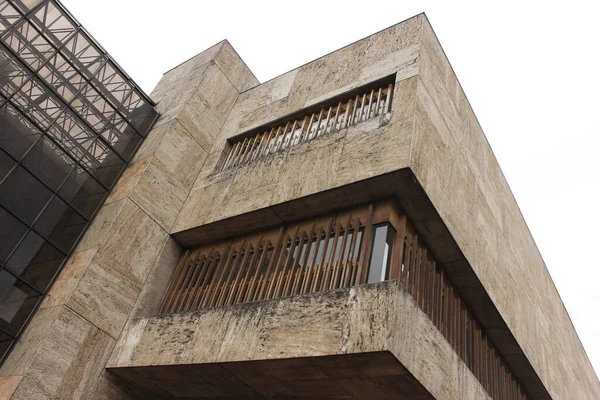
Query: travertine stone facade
pixel 123 264
pixel 366 318
pixel 434 132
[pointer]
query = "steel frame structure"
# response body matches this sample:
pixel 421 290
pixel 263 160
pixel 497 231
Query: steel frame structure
pixel 70 121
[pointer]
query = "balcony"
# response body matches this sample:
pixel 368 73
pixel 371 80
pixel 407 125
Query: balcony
pixel 364 245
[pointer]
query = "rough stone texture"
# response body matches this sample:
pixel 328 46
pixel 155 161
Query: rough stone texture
pixel 367 318
pixel 432 130
pixel 8 384
pixel 457 168
pixel 121 267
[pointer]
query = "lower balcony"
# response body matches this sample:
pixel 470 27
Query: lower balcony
pixel 359 281
pixel 369 341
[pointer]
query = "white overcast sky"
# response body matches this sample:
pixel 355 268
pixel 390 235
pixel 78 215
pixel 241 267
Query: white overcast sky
pixel 531 71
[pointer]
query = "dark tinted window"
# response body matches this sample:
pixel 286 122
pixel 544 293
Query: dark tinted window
pixel 68 120
pixel 23 195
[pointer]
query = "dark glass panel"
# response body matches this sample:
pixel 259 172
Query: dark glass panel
pixel 53 23
pixel 24 195
pixel 83 192
pixel 32 48
pixel 17 134
pixel 113 84
pixel 358 244
pixel 38 102
pixel 107 166
pixel 12 73
pixel 6 164
pixel 5 343
pixel 121 136
pixel 73 135
pixel 11 231
pixel 381 253
pixel 17 300
pixel 139 112
pixel 60 224
pixel 8 16
pixel 84 54
pixel 93 108
pixel 35 261
pixel 62 76
pixel 49 163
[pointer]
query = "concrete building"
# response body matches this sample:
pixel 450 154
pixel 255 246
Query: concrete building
pixel 340 231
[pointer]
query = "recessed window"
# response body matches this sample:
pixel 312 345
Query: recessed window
pixel 350 110
pixel 383 241
pixel 332 252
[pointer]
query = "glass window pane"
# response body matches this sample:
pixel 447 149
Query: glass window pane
pixel 104 163
pixel 17 300
pixel 381 253
pixel 51 20
pixel 121 136
pixel 139 112
pixel 17 134
pixel 60 224
pixel 112 83
pixel 38 103
pixel 10 16
pixel 24 195
pixel 62 76
pixel 49 163
pixel 93 108
pixel 11 231
pixel 83 192
pixel 29 44
pixel 6 164
pixel 5 343
pixel 35 261
pixel 83 54
pixel 12 73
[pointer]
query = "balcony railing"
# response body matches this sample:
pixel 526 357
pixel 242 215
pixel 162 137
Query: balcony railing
pixel 350 111
pixel 364 245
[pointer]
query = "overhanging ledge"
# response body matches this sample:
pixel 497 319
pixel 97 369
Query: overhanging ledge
pixel 376 375
pixel 370 318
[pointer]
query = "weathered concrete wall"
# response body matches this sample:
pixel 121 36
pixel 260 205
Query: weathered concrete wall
pixel 433 131
pixel 122 266
pixel 365 318
pixel 380 145
pixel 453 161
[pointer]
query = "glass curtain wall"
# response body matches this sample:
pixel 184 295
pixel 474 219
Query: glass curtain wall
pixel 70 120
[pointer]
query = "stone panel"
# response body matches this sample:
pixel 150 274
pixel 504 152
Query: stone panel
pixel 69 361
pixel 159 195
pixel 357 320
pixel 156 285
pixel 234 68
pixel 69 278
pixel 179 155
pixel 28 345
pixel 497 242
pixel 128 181
pixel 105 297
pixel 133 245
pixel 100 226
pixel 8 385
